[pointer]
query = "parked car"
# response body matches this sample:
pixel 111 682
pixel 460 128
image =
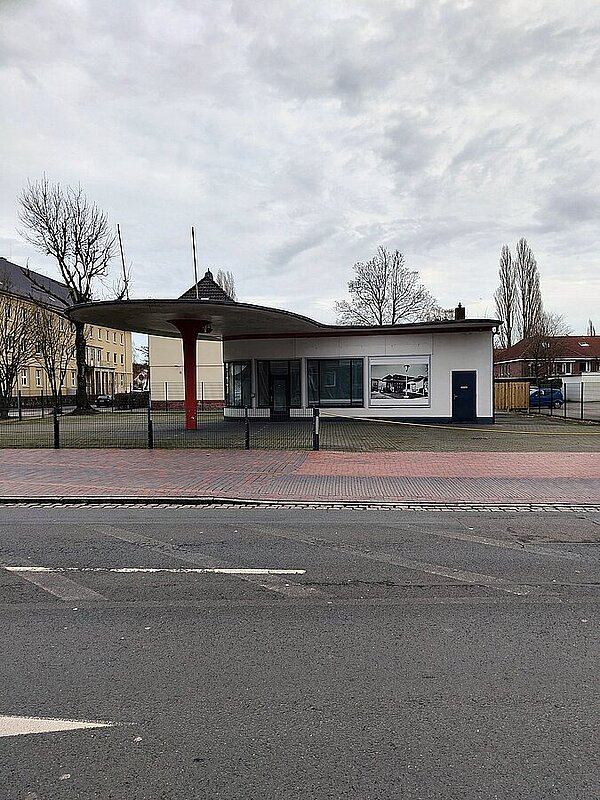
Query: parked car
pixel 104 400
pixel 545 398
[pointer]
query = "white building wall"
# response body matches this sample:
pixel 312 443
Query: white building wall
pixel 445 351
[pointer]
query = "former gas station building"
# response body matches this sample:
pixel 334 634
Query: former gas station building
pixel 280 364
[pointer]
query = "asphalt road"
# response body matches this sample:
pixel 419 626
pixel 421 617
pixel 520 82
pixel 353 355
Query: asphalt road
pixel 433 655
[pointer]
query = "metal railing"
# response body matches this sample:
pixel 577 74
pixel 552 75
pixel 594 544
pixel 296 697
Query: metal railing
pixel 149 428
pixel 579 400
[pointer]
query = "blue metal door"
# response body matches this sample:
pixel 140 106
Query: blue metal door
pixel 464 396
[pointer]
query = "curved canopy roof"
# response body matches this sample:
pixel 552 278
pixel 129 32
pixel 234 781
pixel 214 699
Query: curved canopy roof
pixel 230 320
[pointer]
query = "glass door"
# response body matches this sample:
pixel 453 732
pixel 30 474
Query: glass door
pixel 279 393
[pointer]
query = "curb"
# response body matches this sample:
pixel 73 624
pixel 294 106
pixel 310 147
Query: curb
pixel 200 501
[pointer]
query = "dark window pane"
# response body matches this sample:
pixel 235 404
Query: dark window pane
pixel 238 383
pixel 263 383
pixel 357 381
pixel 295 398
pixel 312 372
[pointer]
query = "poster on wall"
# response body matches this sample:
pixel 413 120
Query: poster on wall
pixel 399 381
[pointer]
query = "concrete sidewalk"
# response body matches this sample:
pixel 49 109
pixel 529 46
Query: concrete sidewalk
pixel 430 477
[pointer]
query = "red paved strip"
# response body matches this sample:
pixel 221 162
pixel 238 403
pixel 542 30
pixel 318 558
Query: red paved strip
pixel 454 465
pixel 303 476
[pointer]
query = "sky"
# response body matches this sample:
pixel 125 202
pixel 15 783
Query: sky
pixel 297 136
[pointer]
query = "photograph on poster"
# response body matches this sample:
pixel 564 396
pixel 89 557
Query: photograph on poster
pixel 399 381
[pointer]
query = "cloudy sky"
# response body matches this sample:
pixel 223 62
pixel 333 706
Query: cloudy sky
pixel 298 135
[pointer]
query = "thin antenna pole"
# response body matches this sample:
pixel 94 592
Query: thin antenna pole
pixel 195 265
pixel 125 281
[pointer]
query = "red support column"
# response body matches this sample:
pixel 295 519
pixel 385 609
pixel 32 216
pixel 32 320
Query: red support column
pixel 189 330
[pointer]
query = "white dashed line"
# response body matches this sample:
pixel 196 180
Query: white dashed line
pixel 272 582
pixel 185 570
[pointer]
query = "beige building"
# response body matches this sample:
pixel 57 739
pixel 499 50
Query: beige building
pixel 166 372
pixel 109 357
pixel 109 351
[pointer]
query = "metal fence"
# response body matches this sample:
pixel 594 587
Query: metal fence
pixel 580 400
pixel 147 428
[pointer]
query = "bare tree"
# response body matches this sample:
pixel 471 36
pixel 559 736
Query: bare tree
pixel 62 223
pixel 55 347
pixel 530 306
pixel 227 282
pixel 385 292
pixel 506 299
pixel 17 332
pixel 544 345
pixel 518 297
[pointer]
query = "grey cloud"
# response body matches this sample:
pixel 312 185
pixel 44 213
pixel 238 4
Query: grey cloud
pixel 299 136
pixel 281 258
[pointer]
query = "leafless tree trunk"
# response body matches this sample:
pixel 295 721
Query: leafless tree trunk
pixel 17 332
pixel 56 347
pixel 64 224
pixel 385 292
pixel 506 298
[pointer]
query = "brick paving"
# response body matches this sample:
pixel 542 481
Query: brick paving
pixel 492 477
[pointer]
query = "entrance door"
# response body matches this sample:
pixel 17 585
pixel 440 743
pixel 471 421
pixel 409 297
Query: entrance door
pixel 279 394
pixel 464 395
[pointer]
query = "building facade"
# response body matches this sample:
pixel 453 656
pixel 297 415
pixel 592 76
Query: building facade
pixel 413 372
pixel 165 357
pixel 548 357
pixel 108 350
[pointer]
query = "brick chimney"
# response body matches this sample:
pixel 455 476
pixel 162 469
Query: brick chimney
pixel 459 312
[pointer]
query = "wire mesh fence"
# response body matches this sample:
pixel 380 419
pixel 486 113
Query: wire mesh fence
pixel 147 428
pixel 575 399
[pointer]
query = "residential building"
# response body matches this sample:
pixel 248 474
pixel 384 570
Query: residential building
pixel 109 350
pixel 552 356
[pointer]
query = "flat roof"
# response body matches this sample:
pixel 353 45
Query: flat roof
pixel 229 320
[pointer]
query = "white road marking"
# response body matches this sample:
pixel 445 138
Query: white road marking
pixel 58 585
pixel 21 726
pixel 531 549
pixel 463 576
pixel 197 570
pixel 275 583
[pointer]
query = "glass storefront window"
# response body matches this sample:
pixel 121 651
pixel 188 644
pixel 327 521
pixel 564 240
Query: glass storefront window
pixel 335 381
pixel 238 383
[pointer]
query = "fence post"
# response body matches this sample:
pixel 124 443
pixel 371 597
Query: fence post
pixel 42 401
pixel 581 399
pixel 201 395
pixel 150 429
pixel 55 428
pixel 166 396
pixel 246 429
pixel 316 420
pixel 19 409
pixel 564 390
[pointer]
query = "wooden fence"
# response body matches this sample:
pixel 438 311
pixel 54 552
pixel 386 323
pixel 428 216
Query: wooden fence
pixel 511 395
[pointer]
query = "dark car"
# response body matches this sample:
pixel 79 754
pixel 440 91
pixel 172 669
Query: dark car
pixel 545 398
pixel 104 400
